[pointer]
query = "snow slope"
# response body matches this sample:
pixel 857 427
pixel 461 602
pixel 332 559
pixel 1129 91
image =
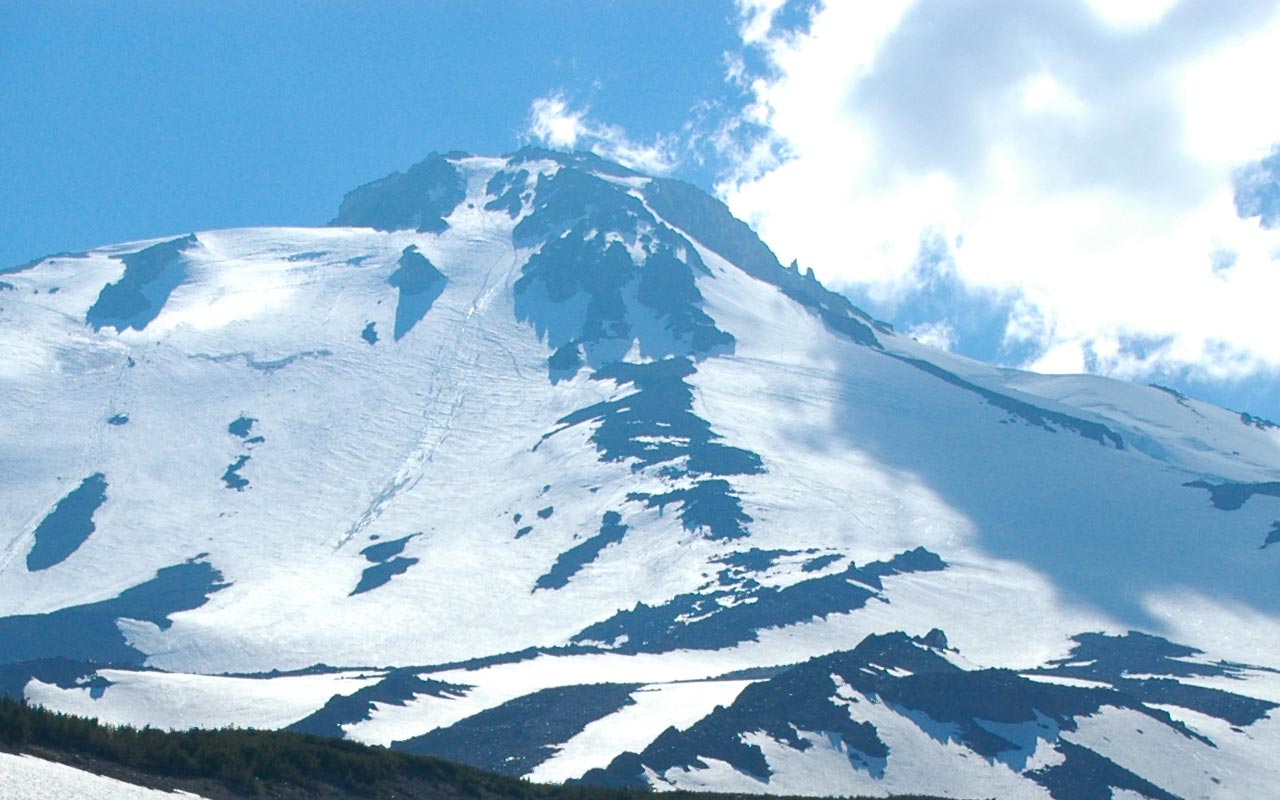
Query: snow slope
pixel 31 778
pixel 540 438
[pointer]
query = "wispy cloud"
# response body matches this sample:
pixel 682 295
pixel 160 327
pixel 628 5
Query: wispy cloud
pixel 553 121
pixel 1076 161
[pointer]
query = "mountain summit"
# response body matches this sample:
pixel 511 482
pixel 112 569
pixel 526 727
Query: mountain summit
pixel 549 466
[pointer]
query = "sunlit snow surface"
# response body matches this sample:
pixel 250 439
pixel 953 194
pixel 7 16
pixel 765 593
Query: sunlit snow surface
pixel 30 778
pixel 587 405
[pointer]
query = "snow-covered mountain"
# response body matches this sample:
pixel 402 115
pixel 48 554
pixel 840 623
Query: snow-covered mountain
pixel 545 465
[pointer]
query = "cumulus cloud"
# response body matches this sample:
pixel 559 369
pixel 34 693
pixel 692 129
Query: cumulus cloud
pixel 1076 160
pixel 553 121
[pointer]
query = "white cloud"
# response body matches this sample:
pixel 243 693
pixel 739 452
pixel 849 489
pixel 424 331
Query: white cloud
pixel 1131 13
pixel 555 123
pixel 757 19
pixel 552 121
pixel 941 334
pixel 1076 158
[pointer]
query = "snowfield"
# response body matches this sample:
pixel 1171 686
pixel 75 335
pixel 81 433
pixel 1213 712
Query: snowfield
pixel 30 778
pixel 536 423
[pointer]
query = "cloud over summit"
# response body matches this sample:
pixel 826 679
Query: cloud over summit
pixel 1066 186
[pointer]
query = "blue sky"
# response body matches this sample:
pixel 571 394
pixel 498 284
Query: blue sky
pixel 124 120
pixel 1047 184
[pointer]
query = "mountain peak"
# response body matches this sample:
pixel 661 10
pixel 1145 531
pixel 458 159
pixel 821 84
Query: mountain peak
pixel 563 449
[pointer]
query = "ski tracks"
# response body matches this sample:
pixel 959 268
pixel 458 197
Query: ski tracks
pixel 452 377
